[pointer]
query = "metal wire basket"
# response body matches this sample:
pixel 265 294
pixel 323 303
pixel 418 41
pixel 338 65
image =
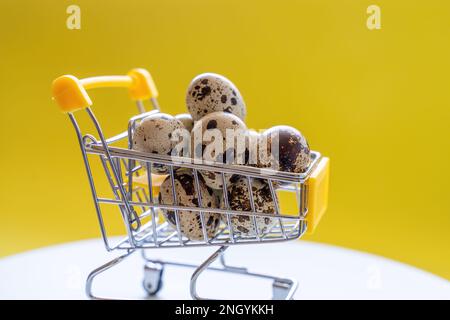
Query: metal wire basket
pixel 133 189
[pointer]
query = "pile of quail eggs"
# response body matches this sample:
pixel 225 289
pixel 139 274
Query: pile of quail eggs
pixel 215 103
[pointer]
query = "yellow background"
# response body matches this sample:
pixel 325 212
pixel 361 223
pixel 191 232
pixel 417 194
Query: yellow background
pixel 376 102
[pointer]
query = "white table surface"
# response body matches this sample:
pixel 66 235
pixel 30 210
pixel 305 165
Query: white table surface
pixel 323 271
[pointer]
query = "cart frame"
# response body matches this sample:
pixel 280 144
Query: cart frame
pixel 128 173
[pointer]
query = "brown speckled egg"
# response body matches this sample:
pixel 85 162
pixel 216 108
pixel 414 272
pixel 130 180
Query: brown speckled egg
pixel 154 135
pixel 292 154
pixel 186 194
pixel 203 136
pixel 239 200
pixel 210 92
pixel 186 120
pixel 252 140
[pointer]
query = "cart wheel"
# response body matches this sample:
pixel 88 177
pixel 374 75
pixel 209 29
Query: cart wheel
pixel 153 273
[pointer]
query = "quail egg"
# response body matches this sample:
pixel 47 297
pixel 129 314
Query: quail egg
pixel 287 149
pixel 186 119
pixel 210 92
pixel 252 140
pixel 186 195
pixel 218 137
pixel 154 135
pixel 239 200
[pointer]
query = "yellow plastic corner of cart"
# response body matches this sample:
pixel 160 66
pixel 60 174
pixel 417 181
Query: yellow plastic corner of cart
pixel 143 86
pixel 317 193
pixel 157 180
pixel 69 94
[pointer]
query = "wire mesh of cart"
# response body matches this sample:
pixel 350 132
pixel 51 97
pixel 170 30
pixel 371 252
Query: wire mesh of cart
pixel 133 190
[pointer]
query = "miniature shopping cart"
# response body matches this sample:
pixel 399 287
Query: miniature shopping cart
pixel 133 189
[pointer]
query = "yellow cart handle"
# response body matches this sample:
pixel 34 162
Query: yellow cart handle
pixel 106 82
pixel 70 92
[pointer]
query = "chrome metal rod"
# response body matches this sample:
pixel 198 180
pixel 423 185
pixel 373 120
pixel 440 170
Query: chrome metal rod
pixel 282 288
pixel 200 203
pixel 175 201
pixel 227 207
pixel 91 181
pixel 252 205
pixel 150 193
pixel 101 269
pixel 113 188
pixel 155 103
pixel 209 166
pixel 200 269
pixel 114 170
pixel 205 209
pixel 277 207
pixel 140 106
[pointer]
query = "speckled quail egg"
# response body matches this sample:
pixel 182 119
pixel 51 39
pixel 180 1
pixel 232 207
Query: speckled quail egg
pixel 252 140
pixel 255 156
pixel 292 153
pixel 210 92
pixel 218 125
pixel 239 200
pixel 186 195
pixel 154 135
pixel 186 119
